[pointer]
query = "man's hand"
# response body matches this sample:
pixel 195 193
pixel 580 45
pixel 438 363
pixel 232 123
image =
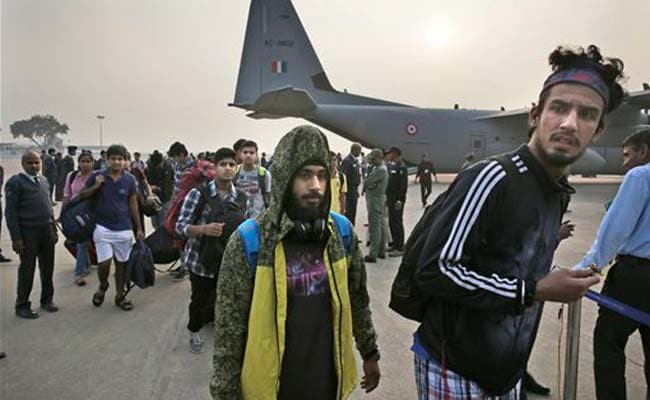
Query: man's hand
pixel 18 246
pixel 213 229
pixel 139 234
pixel 566 230
pixel 565 285
pixel 398 205
pixel 99 179
pixel 371 375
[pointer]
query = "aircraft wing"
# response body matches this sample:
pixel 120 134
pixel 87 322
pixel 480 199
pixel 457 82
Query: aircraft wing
pixel 519 115
pixel 640 99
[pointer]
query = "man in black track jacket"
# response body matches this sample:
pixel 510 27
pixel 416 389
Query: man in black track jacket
pixel 484 268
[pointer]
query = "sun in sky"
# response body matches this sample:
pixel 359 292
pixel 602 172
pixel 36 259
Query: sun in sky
pixel 438 35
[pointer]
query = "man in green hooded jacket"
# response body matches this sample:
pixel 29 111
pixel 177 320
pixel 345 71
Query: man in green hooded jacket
pixel 284 328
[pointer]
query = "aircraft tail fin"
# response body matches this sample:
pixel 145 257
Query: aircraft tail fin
pixel 279 57
pixel 277 54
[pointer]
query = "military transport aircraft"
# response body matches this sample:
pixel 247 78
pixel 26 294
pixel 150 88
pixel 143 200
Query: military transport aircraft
pixel 281 76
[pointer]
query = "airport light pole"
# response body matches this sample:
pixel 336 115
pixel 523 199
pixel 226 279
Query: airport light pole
pixel 101 130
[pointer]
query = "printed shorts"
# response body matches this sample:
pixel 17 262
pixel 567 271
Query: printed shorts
pixel 432 386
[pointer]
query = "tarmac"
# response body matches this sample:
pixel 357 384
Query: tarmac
pixel 89 353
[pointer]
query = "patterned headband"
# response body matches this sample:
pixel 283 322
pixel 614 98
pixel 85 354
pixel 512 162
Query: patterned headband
pixel 584 76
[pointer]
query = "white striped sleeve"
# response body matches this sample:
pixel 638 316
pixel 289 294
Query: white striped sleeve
pixel 450 256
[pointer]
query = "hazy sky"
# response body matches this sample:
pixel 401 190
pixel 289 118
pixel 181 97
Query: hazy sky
pixel 164 70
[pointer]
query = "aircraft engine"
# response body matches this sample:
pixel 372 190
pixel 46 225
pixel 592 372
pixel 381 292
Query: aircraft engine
pixel 589 164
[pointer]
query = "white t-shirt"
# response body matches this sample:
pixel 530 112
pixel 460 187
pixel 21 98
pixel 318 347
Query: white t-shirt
pixel 248 182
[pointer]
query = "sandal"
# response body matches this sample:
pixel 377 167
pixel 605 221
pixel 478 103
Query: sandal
pixel 123 303
pixel 98 297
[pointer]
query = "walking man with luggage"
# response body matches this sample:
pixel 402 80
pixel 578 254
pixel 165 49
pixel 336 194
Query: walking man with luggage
pixel 196 222
pixel 116 216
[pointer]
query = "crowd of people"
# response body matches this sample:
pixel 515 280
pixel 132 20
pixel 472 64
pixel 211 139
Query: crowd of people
pixel 275 263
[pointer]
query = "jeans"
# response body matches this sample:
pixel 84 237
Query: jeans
pixel 83 259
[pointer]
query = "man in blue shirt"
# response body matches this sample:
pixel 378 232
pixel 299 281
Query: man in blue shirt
pixel 624 234
pixel 116 216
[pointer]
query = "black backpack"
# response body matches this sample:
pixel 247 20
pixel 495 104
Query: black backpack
pixel 140 270
pixel 78 220
pixel 231 213
pixel 404 296
pixel 161 244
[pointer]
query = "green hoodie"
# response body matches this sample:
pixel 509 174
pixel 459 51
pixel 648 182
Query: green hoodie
pixel 235 287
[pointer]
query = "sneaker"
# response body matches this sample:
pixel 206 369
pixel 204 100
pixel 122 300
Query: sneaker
pixel 179 275
pixel 49 307
pixel 26 313
pixel 197 345
pixel 80 281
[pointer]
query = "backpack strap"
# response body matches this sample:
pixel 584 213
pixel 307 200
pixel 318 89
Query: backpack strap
pixel 250 234
pixel 344 227
pixel 73 175
pixel 204 199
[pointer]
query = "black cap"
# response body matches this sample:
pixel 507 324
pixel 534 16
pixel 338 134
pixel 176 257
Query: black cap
pixel 395 150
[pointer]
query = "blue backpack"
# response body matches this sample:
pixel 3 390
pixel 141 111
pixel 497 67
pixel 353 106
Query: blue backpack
pixel 249 231
pixel 78 220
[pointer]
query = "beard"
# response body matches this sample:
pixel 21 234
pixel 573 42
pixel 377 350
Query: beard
pixel 298 212
pixel 559 158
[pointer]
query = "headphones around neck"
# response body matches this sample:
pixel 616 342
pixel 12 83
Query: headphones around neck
pixel 310 230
